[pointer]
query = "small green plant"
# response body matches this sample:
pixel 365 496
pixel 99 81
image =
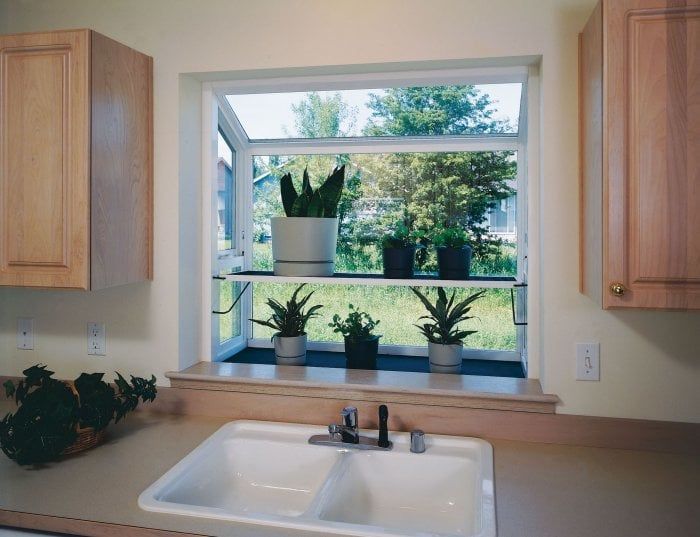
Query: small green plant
pixel 290 320
pixel 399 237
pixel 445 316
pixel 402 237
pixel 49 412
pixel 358 325
pixel 320 203
pixel 450 237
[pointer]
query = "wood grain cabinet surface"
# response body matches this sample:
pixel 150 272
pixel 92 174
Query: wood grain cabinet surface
pixel 640 154
pixel 75 161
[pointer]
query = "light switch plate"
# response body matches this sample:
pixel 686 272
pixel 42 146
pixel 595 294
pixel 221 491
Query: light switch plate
pixel 96 339
pixel 588 361
pixel 25 334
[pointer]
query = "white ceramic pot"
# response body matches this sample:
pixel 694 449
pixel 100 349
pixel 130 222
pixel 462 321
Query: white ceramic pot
pixel 304 246
pixel 445 358
pixel 290 350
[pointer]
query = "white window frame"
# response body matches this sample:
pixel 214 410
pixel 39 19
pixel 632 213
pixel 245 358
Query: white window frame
pixel 217 262
pixel 214 99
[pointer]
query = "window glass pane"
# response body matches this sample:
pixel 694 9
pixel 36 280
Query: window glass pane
pixel 408 111
pixel 225 195
pixel 492 313
pixel 472 190
pixel 229 324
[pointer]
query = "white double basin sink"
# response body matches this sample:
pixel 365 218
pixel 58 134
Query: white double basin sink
pixel 267 473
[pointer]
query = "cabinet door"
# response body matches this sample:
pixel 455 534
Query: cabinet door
pixel 44 159
pixel 652 155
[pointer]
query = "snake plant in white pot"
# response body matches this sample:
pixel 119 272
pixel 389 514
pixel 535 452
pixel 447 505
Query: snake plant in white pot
pixel 445 338
pixel 289 323
pixel 304 241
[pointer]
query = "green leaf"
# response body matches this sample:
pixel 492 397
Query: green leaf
pixel 306 184
pixel 289 193
pixel 331 191
pixel 315 209
pixel 431 309
pixel 9 388
pixel 300 207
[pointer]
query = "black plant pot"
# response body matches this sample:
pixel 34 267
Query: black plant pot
pixel 454 263
pixel 398 262
pixel 361 354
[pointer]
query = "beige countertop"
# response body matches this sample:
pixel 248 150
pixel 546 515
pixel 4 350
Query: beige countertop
pixel 541 490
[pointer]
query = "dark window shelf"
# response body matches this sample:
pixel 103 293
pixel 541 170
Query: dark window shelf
pixel 385 362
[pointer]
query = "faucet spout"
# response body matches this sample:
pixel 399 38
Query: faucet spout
pixel 349 430
pixel 347 434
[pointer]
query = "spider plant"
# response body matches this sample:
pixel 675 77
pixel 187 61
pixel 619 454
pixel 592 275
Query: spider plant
pixel 289 320
pixel 445 315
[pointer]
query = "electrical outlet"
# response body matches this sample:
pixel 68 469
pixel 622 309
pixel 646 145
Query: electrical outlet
pixel 25 334
pixel 588 361
pixel 96 339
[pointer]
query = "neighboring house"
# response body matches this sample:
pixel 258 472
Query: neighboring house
pixel 261 180
pixel 502 220
pixel 225 204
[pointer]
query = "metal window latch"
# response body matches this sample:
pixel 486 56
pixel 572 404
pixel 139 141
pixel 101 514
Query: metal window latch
pixel 516 286
pixel 235 301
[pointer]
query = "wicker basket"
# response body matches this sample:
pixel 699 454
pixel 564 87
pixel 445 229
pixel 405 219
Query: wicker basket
pixel 87 436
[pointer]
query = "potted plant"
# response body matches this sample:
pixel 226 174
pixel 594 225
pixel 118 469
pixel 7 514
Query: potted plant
pixel 445 338
pixel 361 345
pixel 56 418
pixel 454 255
pixel 304 241
pixel 289 322
pixel 399 251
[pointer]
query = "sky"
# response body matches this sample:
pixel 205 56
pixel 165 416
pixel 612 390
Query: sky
pixel 267 115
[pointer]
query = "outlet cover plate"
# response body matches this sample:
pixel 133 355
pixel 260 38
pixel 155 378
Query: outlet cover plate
pixel 96 340
pixel 25 333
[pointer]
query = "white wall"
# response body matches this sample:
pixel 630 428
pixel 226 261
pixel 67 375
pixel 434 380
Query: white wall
pixel 650 361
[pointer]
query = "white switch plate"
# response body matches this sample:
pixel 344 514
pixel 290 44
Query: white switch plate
pixel 25 334
pixel 96 339
pixel 588 361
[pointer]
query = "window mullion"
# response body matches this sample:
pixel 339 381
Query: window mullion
pixel 383 145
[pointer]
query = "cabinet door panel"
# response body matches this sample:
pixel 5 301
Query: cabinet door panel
pixel 653 242
pixel 663 182
pixel 36 96
pixel 44 160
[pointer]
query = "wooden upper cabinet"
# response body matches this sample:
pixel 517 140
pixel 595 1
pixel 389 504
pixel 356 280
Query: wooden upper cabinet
pixel 75 161
pixel 640 154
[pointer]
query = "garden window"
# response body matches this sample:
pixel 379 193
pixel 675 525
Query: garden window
pixel 445 152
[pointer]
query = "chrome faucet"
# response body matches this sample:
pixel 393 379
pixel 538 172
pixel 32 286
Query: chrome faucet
pixel 349 429
pixel 347 433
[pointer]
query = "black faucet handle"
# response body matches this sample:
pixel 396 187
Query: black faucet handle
pixel 383 440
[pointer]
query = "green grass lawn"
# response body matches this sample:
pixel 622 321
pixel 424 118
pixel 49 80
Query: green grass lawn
pixel 229 324
pixel 397 308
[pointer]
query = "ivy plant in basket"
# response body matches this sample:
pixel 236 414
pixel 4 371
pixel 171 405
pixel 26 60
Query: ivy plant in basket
pixel 57 418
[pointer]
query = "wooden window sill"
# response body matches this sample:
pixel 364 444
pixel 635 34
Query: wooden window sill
pixel 463 391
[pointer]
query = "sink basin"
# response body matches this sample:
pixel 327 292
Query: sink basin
pixel 267 473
